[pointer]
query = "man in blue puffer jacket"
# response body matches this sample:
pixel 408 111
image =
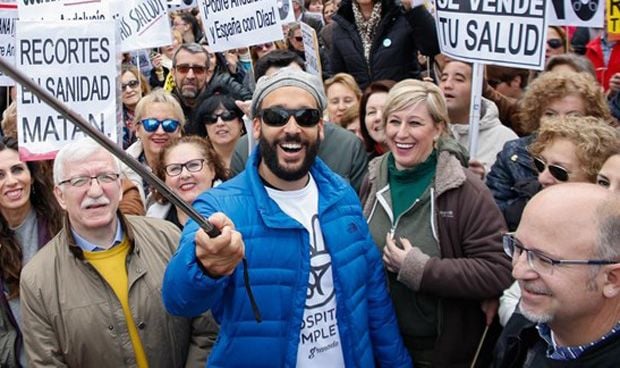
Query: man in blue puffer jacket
pixel 317 278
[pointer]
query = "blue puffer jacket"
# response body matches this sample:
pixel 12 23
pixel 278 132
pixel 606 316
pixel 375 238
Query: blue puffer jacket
pixel 277 252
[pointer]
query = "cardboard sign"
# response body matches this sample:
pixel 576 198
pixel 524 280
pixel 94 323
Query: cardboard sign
pixel 63 10
pixel 583 13
pixel 8 19
pixel 181 4
pixel 77 63
pixel 142 23
pixel 230 24
pixel 613 19
pixel 510 33
pixel 311 50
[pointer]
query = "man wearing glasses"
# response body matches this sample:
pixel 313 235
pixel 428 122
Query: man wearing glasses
pixel 90 298
pixel 566 259
pixel 294 237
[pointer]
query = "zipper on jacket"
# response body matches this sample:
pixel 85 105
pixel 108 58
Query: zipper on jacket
pixel 395 224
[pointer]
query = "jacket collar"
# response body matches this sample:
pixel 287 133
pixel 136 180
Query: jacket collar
pixel 331 189
pixel 77 251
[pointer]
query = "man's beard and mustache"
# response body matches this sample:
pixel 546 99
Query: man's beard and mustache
pixel 269 153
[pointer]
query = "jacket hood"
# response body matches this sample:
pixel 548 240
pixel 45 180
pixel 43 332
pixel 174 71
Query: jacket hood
pixel 489 118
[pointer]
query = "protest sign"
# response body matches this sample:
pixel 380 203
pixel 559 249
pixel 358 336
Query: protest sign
pixel 77 63
pixel 509 32
pixel 142 23
pixel 582 13
pixel 8 18
pixel 63 10
pixel 285 9
pixel 230 24
pixel 311 50
pixel 613 19
pixel 181 4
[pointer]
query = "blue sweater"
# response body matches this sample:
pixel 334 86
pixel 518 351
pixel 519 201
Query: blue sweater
pixel 277 251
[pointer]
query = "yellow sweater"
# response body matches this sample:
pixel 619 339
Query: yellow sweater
pixel 111 265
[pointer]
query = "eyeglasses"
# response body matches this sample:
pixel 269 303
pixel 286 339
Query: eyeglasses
pixel 265 46
pixel 225 116
pixel 132 84
pixel 80 181
pixel 197 69
pixel 540 262
pixel 554 43
pixel 558 172
pixel 191 166
pixel 151 125
pixel 278 116
pixel 298 38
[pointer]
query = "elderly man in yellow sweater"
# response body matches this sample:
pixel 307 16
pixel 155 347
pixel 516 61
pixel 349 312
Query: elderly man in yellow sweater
pixel 91 297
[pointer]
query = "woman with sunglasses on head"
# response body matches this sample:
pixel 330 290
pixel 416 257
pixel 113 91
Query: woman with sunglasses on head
pixel 513 177
pixel 29 218
pixel 438 229
pixel 133 87
pixel 566 149
pixel 188 165
pixel 158 119
pixel 219 120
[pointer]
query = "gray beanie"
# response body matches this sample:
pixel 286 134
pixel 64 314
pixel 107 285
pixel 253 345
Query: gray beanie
pixel 288 77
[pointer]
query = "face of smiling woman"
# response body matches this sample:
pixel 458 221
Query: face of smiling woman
pixel 15 184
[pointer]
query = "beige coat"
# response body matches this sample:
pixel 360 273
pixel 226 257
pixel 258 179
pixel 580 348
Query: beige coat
pixel 71 317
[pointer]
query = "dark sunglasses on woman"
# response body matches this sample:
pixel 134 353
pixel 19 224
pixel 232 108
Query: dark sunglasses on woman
pixel 278 116
pixel 558 172
pixel 151 125
pixel 554 43
pixel 225 116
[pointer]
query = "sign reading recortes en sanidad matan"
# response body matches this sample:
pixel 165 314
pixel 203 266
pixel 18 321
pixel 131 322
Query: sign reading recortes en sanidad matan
pixel 504 32
pixel 230 24
pixel 77 63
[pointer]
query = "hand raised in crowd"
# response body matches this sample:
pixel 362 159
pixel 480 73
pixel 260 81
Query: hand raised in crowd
pixel 156 60
pixel 220 255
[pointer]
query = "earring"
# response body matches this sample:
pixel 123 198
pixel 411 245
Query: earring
pixel 32 189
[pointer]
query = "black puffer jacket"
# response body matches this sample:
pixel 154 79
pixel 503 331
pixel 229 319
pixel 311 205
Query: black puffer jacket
pixel 393 52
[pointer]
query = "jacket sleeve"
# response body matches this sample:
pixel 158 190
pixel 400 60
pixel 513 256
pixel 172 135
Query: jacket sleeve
pixel 500 180
pixel 336 61
pixel 481 270
pixel 204 333
pixel 387 343
pixel 40 341
pixel 424 31
pixel 187 291
pixel 359 164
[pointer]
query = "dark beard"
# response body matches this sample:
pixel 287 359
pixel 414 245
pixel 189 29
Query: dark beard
pixel 269 154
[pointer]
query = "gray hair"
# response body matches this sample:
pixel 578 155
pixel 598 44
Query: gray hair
pixel 192 48
pixel 608 220
pixel 79 150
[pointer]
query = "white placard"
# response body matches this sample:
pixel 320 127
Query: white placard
pixel 311 50
pixel 582 13
pixel 142 23
pixel 63 10
pixel 510 33
pixel 285 9
pixel 181 4
pixel 8 19
pixel 230 24
pixel 77 62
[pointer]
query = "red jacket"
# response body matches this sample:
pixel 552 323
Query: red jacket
pixel 594 52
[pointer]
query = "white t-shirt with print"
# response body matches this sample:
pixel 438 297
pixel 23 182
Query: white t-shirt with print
pixel 319 344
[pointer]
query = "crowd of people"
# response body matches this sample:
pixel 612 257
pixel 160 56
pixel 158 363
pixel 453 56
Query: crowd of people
pixel 351 224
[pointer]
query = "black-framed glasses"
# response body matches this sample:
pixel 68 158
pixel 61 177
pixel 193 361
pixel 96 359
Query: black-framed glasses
pixel 558 172
pixel 554 43
pixel 279 116
pixel 191 166
pixel 225 116
pixel 542 263
pixel 197 69
pixel 264 46
pixel 80 181
pixel 132 84
pixel 299 38
pixel 151 125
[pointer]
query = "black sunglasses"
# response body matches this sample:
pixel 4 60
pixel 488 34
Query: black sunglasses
pixel 278 116
pixel 554 43
pixel 133 84
pixel 558 172
pixel 151 125
pixel 185 68
pixel 299 38
pixel 225 116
